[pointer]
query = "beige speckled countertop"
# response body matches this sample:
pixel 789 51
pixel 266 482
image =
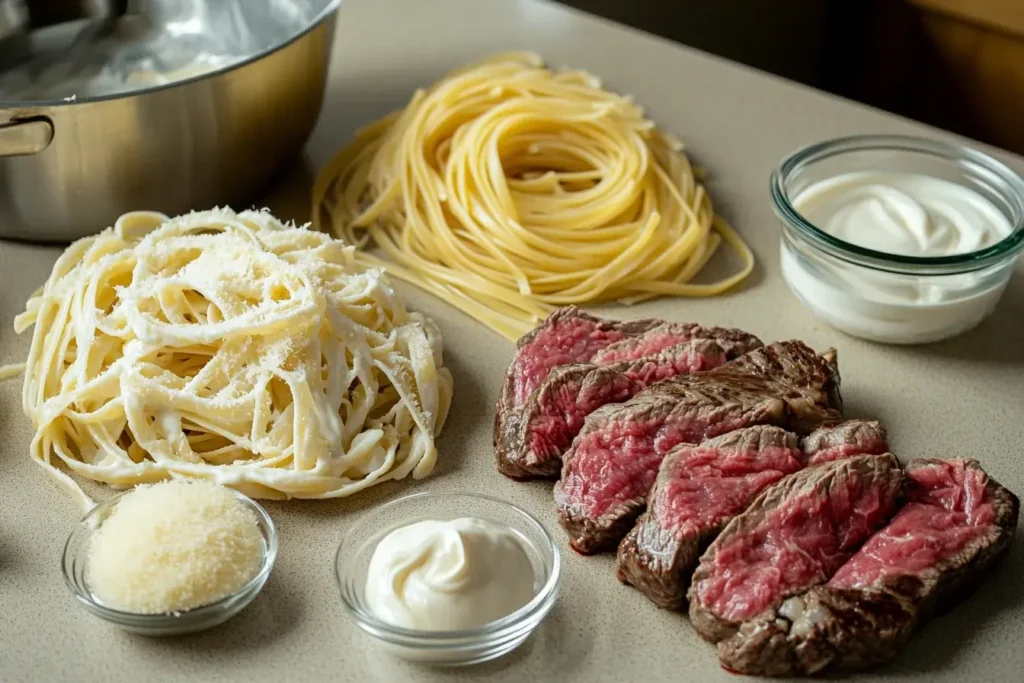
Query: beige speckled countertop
pixel 961 398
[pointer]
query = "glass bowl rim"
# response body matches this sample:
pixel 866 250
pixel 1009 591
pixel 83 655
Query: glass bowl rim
pixel 196 613
pixel 497 630
pixel 1012 190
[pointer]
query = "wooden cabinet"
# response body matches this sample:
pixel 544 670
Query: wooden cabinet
pixel 999 15
pixel 958 64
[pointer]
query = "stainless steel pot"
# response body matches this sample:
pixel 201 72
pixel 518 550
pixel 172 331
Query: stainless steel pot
pixel 69 169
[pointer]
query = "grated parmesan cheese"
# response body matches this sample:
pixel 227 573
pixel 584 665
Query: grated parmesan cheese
pixel 173 546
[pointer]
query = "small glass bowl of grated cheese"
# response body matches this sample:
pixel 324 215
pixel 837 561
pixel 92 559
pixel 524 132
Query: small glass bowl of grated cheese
pixel 170 558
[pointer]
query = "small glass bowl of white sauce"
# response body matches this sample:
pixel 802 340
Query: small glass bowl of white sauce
pixel 448 647
pixel 898 239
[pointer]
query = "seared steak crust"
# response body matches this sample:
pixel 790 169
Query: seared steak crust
pixel 806 381
pixel 844 440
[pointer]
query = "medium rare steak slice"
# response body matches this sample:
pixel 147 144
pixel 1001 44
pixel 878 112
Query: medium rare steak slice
pixel 613 462
pixel 539 431
pixel 956 524
pixel 795 535
pixel 698 491
pixel 844 440
pixel 549 389
pixel 567 336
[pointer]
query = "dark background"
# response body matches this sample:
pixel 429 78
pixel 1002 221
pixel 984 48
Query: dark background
pixel 956 64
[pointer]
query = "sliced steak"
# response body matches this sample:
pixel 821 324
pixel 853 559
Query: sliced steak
pixel 537 433
pixel 956 524
pixel 699 489
pixel 567 336
pixel 549 389
pixel 804 379
pixel 613 462
pixel 795 535
pixel 845 440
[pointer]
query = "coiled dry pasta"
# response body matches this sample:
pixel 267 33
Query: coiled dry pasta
pixel 508 189
pixel 234 348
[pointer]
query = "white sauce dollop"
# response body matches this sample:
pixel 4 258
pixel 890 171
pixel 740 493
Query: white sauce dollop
pixel 448 575
pixel 903 213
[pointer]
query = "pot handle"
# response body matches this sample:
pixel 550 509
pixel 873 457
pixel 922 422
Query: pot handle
pixel 25 136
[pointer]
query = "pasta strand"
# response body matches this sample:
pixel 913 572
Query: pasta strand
pixel 509 189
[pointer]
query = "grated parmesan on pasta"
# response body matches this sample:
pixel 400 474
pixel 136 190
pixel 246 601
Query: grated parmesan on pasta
pixel 229 347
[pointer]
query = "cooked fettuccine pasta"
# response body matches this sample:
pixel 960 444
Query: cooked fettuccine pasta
pixel 229 347
pixel 507 189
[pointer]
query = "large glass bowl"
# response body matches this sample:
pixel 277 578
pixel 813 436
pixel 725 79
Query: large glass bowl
pixel 851 287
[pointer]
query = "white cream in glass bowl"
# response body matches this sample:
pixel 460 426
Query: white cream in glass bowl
pixel 448 579
pixel 898 239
